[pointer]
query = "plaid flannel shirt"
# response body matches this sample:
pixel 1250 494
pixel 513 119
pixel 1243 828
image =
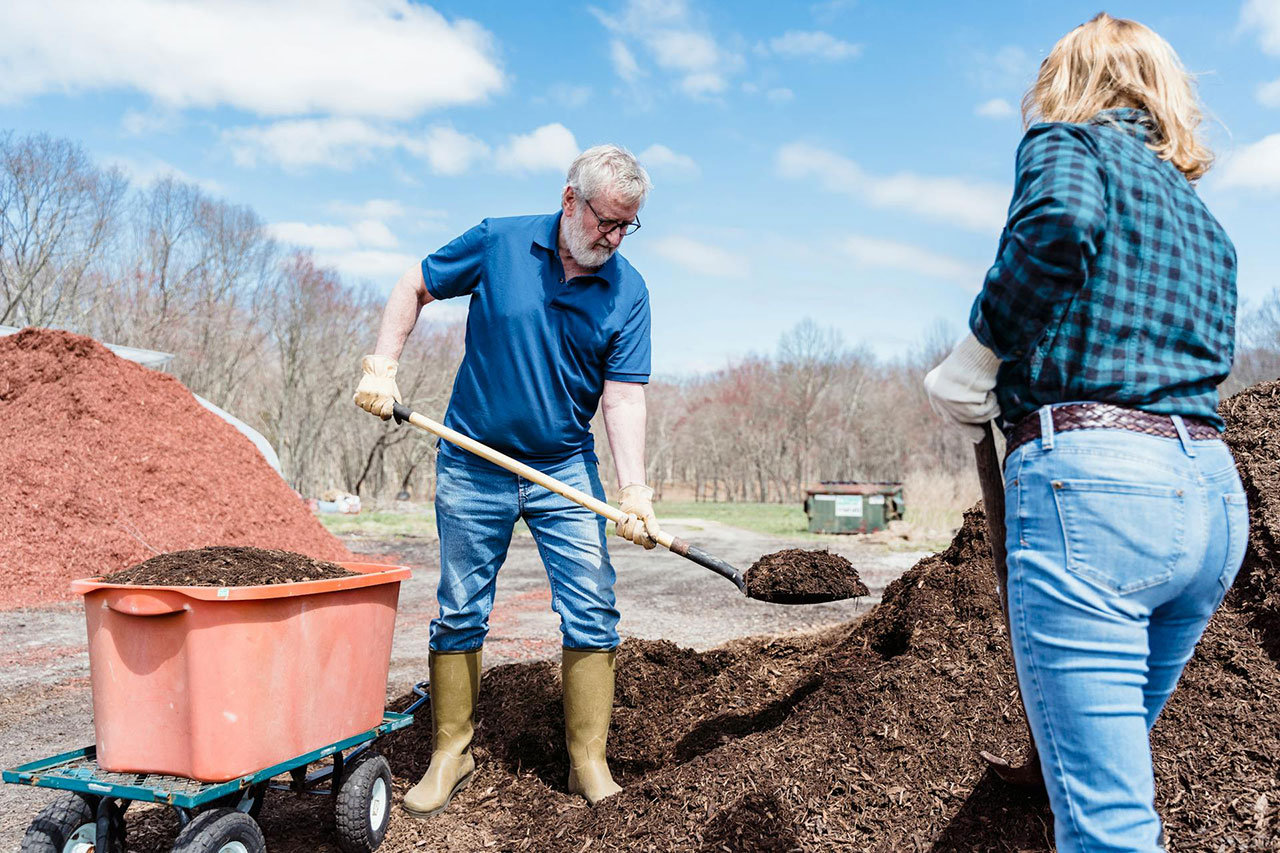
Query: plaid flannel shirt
pixel 1112 283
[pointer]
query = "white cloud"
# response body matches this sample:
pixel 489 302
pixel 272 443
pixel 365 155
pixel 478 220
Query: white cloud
pixel 314 236
pixel 994 108
pixel 1010 67
pixel 374 208
pixel 677 43
pixel 570 96
pixel 780 95
pixel 338 143
pixel 969 204
pixel 447 151
pixel 814 44
pixel 890 254
pixel 370 232
pixel 703 83
pixel 658 156
pixel 624 61
pixel 701 258
pixel 342 143
pixel 147 170
pixel 1255 166
pixel 1264 16
pixel 148 122
pixel 383 58
pixel 369 264
pixel 550 147
pixel 1269 94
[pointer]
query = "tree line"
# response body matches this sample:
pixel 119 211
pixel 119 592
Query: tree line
pixel 261 330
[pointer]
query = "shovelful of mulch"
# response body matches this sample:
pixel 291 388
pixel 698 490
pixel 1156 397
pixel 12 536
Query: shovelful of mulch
pixel 799 575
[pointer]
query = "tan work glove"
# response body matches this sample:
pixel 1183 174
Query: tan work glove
pixel 641 525
pixel 377 392
pixel 962 388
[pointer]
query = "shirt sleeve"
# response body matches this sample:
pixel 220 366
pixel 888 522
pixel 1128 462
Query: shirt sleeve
pixel 1055 225
pixel 629 357
pixel 456 269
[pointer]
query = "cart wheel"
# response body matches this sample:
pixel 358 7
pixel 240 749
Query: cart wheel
pixel 68 825
pixel 362 808
pixel 221 831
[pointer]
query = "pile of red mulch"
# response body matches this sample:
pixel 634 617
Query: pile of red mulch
pixel 797 576
pixel 863 736
pixel 105 463
pixel 226 565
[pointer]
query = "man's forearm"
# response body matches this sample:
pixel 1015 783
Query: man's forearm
pixel 624 410
pixel 401 314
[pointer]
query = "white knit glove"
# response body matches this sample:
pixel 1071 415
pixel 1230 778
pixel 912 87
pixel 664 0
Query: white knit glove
pixel 962 388
pixel 377 392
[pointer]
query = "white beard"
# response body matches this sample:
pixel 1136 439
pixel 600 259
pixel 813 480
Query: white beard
pixel 581 242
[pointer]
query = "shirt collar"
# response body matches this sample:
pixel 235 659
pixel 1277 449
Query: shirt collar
pixel 1133 121
pixel 549 239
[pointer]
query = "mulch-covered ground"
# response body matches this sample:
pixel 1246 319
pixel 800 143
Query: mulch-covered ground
pixel 864 736
pixel 227 566
pixel 797 576
pixel 106 463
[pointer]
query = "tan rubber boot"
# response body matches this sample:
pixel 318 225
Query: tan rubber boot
pixel 455 687
pixel 588 704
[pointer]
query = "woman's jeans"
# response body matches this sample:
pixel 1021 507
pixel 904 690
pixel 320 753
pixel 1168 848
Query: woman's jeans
pixel 1121 546
pixel 477 506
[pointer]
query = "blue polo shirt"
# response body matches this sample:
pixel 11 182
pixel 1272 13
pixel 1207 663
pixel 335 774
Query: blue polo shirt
pixel 538 348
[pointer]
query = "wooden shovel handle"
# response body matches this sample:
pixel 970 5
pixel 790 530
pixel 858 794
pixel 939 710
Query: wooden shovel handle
pixel 676 545
pixel 403 413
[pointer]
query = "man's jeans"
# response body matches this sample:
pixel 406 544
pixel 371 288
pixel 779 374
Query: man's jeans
pixel 477 505
pixel 1121 546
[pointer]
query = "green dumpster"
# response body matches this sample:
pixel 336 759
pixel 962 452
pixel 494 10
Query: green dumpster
pixel 853 507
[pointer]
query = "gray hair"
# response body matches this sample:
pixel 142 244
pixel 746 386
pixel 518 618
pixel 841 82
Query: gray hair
pixel 609 167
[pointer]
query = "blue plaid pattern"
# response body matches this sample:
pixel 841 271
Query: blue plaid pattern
pixel 1113 282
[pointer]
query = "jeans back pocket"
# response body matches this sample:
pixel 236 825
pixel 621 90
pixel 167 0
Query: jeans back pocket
pixel 1121 536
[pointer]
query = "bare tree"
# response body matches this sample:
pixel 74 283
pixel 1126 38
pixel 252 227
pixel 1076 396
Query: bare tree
pixel 57 213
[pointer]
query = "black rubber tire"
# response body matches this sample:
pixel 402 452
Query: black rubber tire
pixel 367 776
pixel 210 831
pixel 59 820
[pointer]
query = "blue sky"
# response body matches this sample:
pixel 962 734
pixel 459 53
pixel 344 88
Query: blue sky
pixel 848 161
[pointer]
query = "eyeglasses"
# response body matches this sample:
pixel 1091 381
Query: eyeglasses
pixel 608 226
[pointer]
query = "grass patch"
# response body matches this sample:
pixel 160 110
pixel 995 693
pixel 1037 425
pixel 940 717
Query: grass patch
pixel 383 523
pixel 774 519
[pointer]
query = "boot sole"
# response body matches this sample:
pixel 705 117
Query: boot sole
pixel 421 815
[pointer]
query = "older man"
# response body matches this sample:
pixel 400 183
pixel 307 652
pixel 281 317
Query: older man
pixel 558 325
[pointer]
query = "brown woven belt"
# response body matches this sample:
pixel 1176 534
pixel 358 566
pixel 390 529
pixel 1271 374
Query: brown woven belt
pixel 1106 416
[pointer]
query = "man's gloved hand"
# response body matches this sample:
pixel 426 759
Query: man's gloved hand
pixel 377 392
pixel 962 387
pixel 641 525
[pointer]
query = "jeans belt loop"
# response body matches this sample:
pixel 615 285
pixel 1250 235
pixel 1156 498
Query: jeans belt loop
pixel 1046 427
pixel 1183 435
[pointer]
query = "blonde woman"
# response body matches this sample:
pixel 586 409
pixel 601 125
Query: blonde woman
pixel 1099 338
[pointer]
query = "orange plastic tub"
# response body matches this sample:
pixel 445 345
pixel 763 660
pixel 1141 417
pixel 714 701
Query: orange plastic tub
pixel 214 683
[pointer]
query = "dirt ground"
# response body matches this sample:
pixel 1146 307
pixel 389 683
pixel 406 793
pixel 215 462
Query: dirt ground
pixel 44 688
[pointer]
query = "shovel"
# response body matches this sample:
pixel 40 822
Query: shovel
pixel 666 540
pixel 673 544
pixel 991 479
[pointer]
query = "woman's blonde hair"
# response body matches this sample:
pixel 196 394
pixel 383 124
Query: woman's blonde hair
pixel 1111 62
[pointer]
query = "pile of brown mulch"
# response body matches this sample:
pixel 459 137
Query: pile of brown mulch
pixel 227 566
pixel 796 575
pixel 864 736
pixel 1253 431
pixel 105 463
